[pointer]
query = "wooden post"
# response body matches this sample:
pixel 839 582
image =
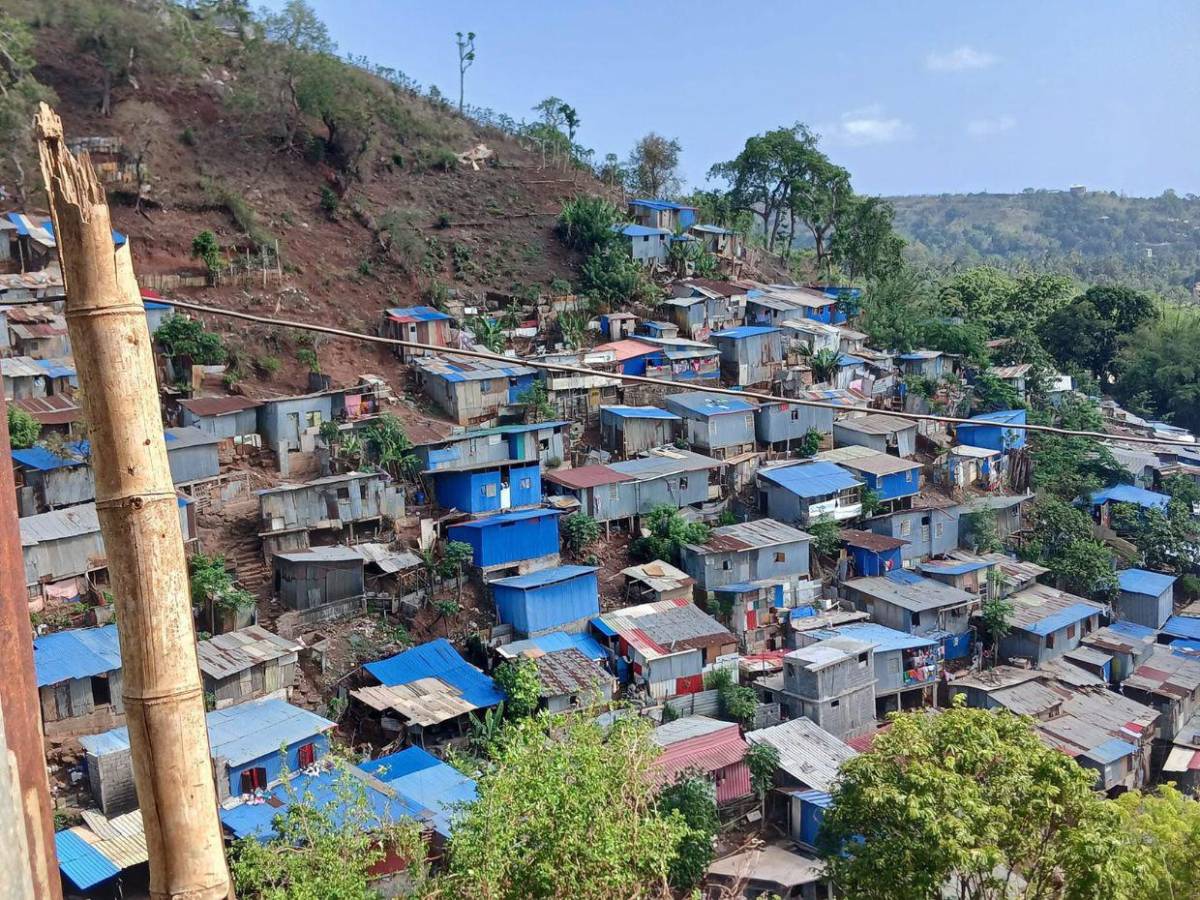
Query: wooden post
pixel 139 521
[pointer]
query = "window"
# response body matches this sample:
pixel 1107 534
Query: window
pixel 795 415
pixel 313 418
pixel 725 565
pixel 526 483
pixel 1071 630
pixel 1049 642
pixel 908 476
pixel 544 444
pixel 833 704
pixel 614 491
pixel 862 660
pixel 254 780
pixel 306 755
pixel 925 532
pixel 645 238
pixel 489 490
pixel 101 691
pixel 749 421
pixel 905 527
pixel 343 493
pixel 894 665
pixel 938 529
pixel 780 557
pixel 486 385
pixel 916 618
pixel 683 484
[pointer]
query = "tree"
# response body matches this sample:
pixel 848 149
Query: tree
pixel 206 249
pixel 1089 331
pixel 20 94
pixel 1167 540
pixel 973 798
pixel 1085 568
pixel 568 815
pixel 979 530
pixel 536 400
pixel 763 761
pixel 585 223
pixel 864 244
pixel 827 536
pixel 1162 829
pixel 824 364
pixel 326 846
pixel 897 308
pixel 466 58
pixel 810 443
pixel 819 197
pixel 388 444
pixel 456 555
pixel 521 685
pixel 580 531
pixel 182 336
pixel 668 532
pixel 23 429
pixel 570 120
pixel 612 171
pixel 1159 371
pixel 488 333
pixel 551 111
pixel 611 277
pixel 996 613
pixel 654 167
pixel 695 800
pixel 990 393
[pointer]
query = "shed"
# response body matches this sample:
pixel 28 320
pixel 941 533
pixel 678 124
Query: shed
pixel 233 417
pixel 520 541
pixel 893 479
pixel 664 214
pixel 418 324
pixel 100 848
pixel 698 743
pixel 750 354
pixel 657 580
pixel 248 663
pixel 930 526
pixel 779 422
pixel 870 553
pixel 563 598
pixel 929 364
pixel 23 377
pixel 309 579
pixel 526 442
pixel 488 487
pixel 748 551
pixel 1146 598
pixel 716 424
pixel 809 492
pixel 192 454
pixel 570 680
pixel 774 870
pixel 1170 683
pixel 907 602
pixel 423 778
pixel 250 743
pixel 79 681
pixel 887 434
pixel 52 479
pixel 809 756
pixel 988 430
pixel 289 512
pixel 57 414
pixel 61 546
pixel 648 246
pixel 292 423
pixel 626 430
pixel 1101 502
pixel 1047 622
pixel 1126 643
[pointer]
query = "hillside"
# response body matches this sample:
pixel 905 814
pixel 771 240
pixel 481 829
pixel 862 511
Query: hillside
pixel 1152 242
pixel 401 223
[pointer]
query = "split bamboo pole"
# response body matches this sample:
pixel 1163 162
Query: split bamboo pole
pixel 139 521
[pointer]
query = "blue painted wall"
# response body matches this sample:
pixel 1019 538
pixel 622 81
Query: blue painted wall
pixel 992 435
pixel 536 610
pixel 895 485
pixel 469 491
pixel 273 762
pixel 509 542
pixel 872 562
pixel 519 385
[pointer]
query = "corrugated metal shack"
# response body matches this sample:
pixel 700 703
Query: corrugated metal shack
pixel 647 246
pixel 563 598
pixel 427 690
pixel 250 744
pixel 1147 598
pixel 626 430
pixel 308 579
pixel 907 602
pixel 79 681
pixel 894 480
pixel 715 748
pixel 419 324
pixel 292 423
pixel 192 454
pixel 809 756
pixel 808 492
pixel 512 543
pixel 60 546
pixel 987 430
pixel 288 513
pixel 750 355
pixel 930 527
pixel 716 424
pixel 471 390
pixel 778 423
pixel 1047 622
pixel 536 442
pixel 1170 682
pixel 246 664
pixel 887 434
pixel 654 581
pixel 100 849
pixel 48 480
pixel 748 551
pixel 870 553
pixel 230 417
pixel 569 680
pixel 23 377
pixel 59 414
pixel 488 486
pixel 665 647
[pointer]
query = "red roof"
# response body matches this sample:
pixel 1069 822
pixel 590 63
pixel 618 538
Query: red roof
pixel 57 409
pixel 864 742
pixel 868 540
pixel 708 753
pixel 626 349
pixel 585 477
pixel 218 406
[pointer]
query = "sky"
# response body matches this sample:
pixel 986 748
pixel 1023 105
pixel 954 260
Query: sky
pixel 912 97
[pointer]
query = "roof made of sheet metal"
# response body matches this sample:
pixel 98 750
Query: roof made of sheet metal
pixel 911 592
pixel 639 412
pixel 79 653
pixel 57 409
pixel 869 540
pixel 59 524
pixel 1041 609
pixel 585 477
pixel 545 577
pixel 218 406
pixel 807 752
pixel 876 423
pixel 1140 581
pixel 753 535
pixel 813 479
pixel 438 659
pixel 665 627
pixel 416 314
pixel 235 651
pixel 426 780
pixel 704 404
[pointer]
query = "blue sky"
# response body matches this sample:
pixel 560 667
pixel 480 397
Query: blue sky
pixel 912 97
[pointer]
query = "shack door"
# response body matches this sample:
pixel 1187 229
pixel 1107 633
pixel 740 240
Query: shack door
pixel 505 495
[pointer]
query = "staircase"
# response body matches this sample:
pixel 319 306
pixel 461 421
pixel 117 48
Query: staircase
pixel 245 558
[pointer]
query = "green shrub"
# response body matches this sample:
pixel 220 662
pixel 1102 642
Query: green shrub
pixel 443 221
pixel 329 200
pixel 188 137
pixel 579 531
pixel 183 336
pixel 586 223
pixel 23 429
pixel 267 366
pixel 206 249
pixel 308 357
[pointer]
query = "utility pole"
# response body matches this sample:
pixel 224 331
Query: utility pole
pixel 24 785
pixel 139 521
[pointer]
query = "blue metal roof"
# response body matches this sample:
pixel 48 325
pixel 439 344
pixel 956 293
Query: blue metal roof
pixel 639 230
pixel 1127 493
pixel 814 479
pixel 845 359
pixel 1187 627
pixel 1139 581
pixel 80 653
pixel 543 577
pixel 1002 416
pixel 711 404
pixel 935 567
pixel 504 518
pixel 1110 751
pixel 743 331
pixel 881 636
pixel 420 313
pixel 321 791
pixel 639 412
pixel 601 627
pixel 427 781
pixel 56 368
pixel 920 354
pixel 1061 618
pixel 738 587
pixel 902 576
pixel 39 457
pixel 82 863
pixel 660 204
pixel 819 798
pixel 1133 630
pixel 438 659
pixel 558 640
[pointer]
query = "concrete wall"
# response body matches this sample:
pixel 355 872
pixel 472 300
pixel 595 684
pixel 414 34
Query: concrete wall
pixel 840 697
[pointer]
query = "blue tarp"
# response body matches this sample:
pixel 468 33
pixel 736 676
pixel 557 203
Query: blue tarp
pixel 438 659
pixel 420 313
pixel 1135 581
pixel 744 331
pixel 1127 493
pixel 639 412
pixel 80 653
pixel 814 479
pixel 39 457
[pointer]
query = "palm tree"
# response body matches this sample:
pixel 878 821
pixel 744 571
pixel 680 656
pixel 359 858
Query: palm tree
pixel 489 333
pixel 824 365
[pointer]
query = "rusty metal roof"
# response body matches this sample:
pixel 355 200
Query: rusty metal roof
pixel 868 540
pixel 567 672
pixel 586 477
pixel 235 651
pixel 57 409
pixel 218 406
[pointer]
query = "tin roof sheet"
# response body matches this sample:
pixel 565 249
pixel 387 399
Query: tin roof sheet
pixel 881 464
pixel 807 752
pixel 59 524
pixel 218 406
pixel 828 652
pixel 79 653
pixel 1140 581
pixel 743 332
pixel 235 651
pixel 1187 627
pixel 814 479
pixel 544 577
pixel 1041 609
pixel 431 783
pixel 876 423
pixel 417 314
pixel 664 627
pixel 883 638
pixel 57 409
pixel 639 412
pixel 752 535
pixel 658 575
pixel 552 642
pixel 705 404
pixel 869 540
pixel 43 459
pixel 585 477
pixel 84 865
pixel 520 515
pixel 1128 493
pixel 567 672
pixel 625 349
pixel 21 367
pixel 438 659
pixel 664 462
pixel 911 592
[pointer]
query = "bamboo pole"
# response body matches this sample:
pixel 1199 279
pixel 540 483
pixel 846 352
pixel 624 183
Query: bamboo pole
pixel 29 824
pixel 139 521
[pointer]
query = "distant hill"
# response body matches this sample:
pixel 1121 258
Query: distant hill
pixel 1153 242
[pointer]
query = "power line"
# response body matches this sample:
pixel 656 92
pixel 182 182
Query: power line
pixel 639 379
